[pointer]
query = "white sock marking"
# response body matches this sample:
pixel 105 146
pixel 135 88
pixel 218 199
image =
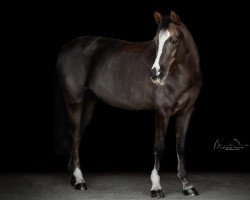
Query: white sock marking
pixel 155 178
pixel 78 175
pixel 163 36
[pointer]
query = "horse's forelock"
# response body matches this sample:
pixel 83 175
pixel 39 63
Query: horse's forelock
pixel 164 23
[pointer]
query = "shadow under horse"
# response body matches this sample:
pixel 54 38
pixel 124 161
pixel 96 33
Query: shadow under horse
pixel 161 75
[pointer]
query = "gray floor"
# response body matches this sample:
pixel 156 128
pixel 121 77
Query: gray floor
pixel 55 186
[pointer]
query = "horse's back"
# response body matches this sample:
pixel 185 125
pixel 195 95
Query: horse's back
pixel 114 70
pixel 82 52
pixel 82 60
pixel 71 53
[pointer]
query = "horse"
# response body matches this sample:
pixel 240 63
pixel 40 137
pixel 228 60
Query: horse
pixel 162 75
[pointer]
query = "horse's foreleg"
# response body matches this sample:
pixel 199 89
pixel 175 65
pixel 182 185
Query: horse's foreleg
pixel 161 124
pixel 75 112
pixel 182 123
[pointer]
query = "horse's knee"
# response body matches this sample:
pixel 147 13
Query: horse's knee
pixel 159 148
pixel 180 152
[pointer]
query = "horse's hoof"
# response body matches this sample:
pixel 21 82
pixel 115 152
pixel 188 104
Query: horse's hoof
pixel 190 192
pixel 81 186
pixel 78 186
pixel 157 193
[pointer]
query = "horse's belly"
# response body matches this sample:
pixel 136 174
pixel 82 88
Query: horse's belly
pixel 121 95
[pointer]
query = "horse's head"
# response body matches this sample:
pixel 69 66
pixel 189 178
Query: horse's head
pixel 171 48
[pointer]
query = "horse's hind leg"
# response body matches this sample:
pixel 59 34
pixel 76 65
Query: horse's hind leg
pixel 80 116
pixel 182 123
pixel 75 111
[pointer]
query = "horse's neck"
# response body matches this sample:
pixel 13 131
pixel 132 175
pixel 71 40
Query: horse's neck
pixel 193 51
pixel 188 71
pixel 149 53
pixel 151 48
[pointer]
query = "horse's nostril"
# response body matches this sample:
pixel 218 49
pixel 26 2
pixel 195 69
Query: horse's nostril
pixel 153 73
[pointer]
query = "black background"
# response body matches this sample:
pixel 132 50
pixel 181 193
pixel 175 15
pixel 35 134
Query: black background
pixel 118 139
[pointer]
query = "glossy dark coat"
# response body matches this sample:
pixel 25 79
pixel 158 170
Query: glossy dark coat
pixel 118 73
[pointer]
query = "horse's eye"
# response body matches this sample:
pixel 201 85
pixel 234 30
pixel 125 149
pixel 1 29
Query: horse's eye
pixel 174 41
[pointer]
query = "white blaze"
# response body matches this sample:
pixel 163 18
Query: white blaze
pixel 78 175
pixel 155 178
pixel 163 36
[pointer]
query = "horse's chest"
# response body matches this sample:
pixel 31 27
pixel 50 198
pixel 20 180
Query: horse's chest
pixel 173 98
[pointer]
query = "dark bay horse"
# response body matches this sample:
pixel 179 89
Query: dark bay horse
pixel 161 75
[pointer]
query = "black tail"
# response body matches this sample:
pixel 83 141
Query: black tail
pixel 61 124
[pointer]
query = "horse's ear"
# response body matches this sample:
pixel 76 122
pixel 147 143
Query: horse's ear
pixel 158 17
pixel 175 18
